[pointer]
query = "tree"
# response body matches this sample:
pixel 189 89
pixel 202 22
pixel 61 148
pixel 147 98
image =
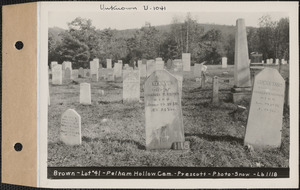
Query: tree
pixel 71 49
pixel 211 47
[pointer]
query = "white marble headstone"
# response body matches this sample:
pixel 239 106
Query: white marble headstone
pixel 70 130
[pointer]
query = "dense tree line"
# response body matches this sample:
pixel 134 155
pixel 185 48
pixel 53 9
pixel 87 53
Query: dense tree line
pixel 82 42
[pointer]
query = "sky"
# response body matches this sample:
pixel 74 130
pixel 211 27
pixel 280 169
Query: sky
pixel 126 20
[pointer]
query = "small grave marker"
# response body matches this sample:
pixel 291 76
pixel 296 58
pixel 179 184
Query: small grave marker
pixel 70 130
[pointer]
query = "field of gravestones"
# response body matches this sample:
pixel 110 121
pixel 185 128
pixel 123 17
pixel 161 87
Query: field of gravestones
pixel 113 132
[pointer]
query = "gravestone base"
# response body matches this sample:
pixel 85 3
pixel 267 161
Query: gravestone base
pixel 239 94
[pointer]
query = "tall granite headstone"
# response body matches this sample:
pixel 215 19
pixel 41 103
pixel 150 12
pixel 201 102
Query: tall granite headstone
pixel 164 124
pixel 264 122
pixel 70 130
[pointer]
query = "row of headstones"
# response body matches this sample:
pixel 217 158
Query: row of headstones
pixel 164 121
pixel 270 61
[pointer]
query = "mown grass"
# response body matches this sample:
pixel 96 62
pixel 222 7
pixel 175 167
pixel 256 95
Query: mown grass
pixel 113 133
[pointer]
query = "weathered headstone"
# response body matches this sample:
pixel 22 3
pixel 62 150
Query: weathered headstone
pixel 75 74
pixel 108 64
pixel 264 122
pixel 241 57
pixel 177 71
pixel 169 64
pixel 53 63
pixel 131 86
pixel 277 61
pixel 197 70
pixel 283 62
pixel 94 77
pixel 224 62
pixel 86 73
pixel 271 61
pixel 110 75
pixel 67 64
pixel 80 72
pixel 120 61
pixel 57 74
pixel 150 67
pixel 94 66
pixel 68 75
pixel 70 130
pixel 164 124
pixel 186 61
pixel 102 73
pixel 118 70
pixel 85 94
pixel 158 59
pixel 159 65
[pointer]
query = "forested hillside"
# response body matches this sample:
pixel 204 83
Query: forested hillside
pixel 206 42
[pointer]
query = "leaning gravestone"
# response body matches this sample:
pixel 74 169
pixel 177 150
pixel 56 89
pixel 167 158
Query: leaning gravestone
pixel 164 124
pixel 169 64
pixel 186 61
pixel 57 74
pixel 264 123
pixel 70 130
pixel 80 72
pixel 85 94
pixel 131 85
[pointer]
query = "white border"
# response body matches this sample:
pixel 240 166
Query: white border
pixel 291 7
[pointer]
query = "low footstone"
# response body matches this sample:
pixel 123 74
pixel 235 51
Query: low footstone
pixel 70 130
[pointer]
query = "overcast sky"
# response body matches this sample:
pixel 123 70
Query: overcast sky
pixel 126 20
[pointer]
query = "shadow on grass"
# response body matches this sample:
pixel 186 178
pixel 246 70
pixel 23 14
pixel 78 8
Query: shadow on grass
pixel 124 141
pixel 223 138
pixel 110 102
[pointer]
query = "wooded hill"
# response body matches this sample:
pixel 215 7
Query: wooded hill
pixel 82 42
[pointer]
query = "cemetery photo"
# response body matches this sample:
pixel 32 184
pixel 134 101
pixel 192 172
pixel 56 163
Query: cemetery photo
pixel 176 89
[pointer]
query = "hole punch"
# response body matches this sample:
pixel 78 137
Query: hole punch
pixel 19 45
pixel 18 147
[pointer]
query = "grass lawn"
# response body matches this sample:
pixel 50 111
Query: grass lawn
pixel 113 133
